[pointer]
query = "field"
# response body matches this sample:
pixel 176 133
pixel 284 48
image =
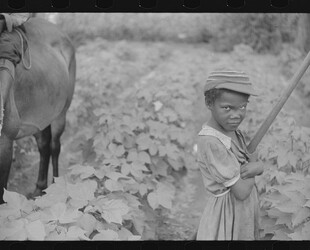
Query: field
pixel 131 91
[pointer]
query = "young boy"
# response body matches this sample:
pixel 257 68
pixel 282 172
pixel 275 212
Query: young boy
pixel 227 171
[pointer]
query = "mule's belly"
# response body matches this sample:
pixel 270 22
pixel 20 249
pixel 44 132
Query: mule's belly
pixel 42 92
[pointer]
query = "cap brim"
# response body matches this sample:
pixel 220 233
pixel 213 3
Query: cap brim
pixel 246 89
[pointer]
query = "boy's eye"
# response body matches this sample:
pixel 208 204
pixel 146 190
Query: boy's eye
pixel 226 108
pixel 243 107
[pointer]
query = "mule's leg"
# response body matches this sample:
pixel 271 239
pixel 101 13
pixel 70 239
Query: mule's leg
pixel 43 139
pixel 6 152
pixel 57 127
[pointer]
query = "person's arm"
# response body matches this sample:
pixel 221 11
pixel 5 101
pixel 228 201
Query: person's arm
pixel 19 18
pixel 223 167
pixel 242 188
pixel 14 19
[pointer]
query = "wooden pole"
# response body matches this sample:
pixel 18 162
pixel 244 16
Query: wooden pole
pixel 276 109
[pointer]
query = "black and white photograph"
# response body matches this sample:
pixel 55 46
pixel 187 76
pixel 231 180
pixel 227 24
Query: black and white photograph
pixel 154 126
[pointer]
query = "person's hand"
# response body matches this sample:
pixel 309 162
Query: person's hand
pixel 253 157
pixel 251 169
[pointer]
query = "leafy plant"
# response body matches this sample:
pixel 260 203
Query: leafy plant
pixel 284 186
pixel 128 146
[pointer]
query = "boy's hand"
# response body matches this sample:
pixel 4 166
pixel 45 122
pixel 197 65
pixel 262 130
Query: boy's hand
pixel 251 169
pixel 253 157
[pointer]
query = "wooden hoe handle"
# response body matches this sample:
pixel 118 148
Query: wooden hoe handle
pixel 276 109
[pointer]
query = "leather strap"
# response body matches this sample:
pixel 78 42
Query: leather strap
pixel 2 25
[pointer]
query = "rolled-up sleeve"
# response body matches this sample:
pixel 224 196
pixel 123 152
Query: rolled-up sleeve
pixel 19 18
pixel 219 162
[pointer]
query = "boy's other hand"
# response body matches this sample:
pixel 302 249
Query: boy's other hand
pixel 251 169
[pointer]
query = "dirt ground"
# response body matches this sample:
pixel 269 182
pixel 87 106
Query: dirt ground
pixel 195 62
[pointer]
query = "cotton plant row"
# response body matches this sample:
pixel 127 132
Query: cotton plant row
pixel 120 178
pixel 285 184
pixel 68 211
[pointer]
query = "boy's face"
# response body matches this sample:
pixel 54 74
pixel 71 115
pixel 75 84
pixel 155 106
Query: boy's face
pixel 228 110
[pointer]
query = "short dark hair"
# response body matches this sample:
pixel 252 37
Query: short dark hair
pixel 212 94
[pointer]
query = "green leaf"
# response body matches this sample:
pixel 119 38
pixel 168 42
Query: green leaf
pixel 35 230
pixel 106 235
pixel 163 195
pixel 293 159
pixel 288 207
pixel 144 141
pixel 83 171
pixel 286 219
pixel 112 210
pixel 82 192
pixel 100 173
pixel 55 193
pixel 100 144
pixel 157 105
pixel 172 151
pixel 153 200
pixel 88 223
pixel 144 157
pixel 112 185
pixel 307 204
pixel 142 189
pixel 15 204
pixel 132 156
pixel 124 234
pixel 125 169
pixel 116 135
pixel 99 111
pixel 280 235
pixel 170 114
pixel 300 216
pixel 139 224
pixel 160 168
pixel 59 212
pixel 76 233
pixel 297 235
pixel 57 235
pixel 306 231
pixel 176 164
pixel 117 150
pixel 295 196
pixel 153 149
pixel 115 176
pixel 283 158
pixel 13 230
pixel 157 129
pixel 137 168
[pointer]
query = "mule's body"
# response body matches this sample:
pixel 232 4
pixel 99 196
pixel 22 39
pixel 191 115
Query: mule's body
pixel 39 98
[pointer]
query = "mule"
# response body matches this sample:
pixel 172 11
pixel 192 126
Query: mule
pixel 38 99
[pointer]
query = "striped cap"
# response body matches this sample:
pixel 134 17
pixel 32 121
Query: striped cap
pixel 232 80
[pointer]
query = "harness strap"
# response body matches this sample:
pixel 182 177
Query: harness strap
pixel 22 49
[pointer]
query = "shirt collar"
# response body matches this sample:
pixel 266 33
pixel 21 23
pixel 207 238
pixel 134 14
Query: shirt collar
pixel 207 130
